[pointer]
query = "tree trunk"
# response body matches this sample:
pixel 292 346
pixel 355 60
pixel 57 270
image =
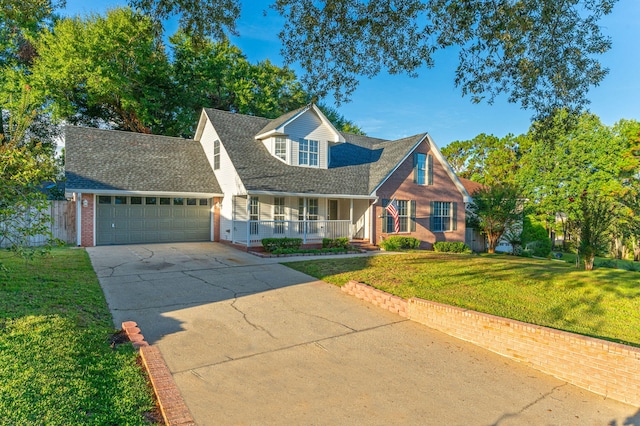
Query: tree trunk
pixel 588 263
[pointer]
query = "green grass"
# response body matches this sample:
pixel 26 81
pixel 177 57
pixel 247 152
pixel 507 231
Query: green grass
pixel 602 303
pixel 604 262
pixel 56 364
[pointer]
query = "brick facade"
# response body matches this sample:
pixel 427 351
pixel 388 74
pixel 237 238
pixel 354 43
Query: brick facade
pixel 606 368
pixel 401 186
pixel 87 214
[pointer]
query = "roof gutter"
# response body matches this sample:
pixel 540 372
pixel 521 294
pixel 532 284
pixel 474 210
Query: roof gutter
pixel 311 194
pixel 143 193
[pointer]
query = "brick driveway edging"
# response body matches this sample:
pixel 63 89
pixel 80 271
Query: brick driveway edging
pixel 172 405
pixel 602 367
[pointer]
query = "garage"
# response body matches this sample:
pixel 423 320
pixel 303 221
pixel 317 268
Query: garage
pixel 151 219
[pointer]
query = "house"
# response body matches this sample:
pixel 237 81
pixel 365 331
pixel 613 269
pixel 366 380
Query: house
pixel 476 240
pixel 244 178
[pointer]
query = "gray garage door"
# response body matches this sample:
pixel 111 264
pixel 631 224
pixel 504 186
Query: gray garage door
pixel 134 220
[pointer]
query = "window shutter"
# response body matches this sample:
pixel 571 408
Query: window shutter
pixel 385 203
pixel 415 168
pixel 454 225
pixel 431 215
pixel 412 212
pixel 430 169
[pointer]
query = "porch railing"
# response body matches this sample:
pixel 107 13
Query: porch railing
pixel 310 231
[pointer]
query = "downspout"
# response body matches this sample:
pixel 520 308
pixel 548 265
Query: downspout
pixel 78 219
pixel 372 225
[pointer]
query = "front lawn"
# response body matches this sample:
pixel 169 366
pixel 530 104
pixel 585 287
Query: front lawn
pixel 56 363
pixel 603 303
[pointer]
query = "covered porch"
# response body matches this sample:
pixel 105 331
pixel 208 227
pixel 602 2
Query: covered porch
pixel 310 218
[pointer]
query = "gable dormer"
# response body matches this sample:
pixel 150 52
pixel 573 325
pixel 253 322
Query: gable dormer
pixel 301 137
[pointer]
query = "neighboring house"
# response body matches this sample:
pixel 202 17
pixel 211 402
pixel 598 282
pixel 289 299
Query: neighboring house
pixel 244 178
pixel 474 238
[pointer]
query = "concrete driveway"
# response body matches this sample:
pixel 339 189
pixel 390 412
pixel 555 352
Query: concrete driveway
pixel 250 341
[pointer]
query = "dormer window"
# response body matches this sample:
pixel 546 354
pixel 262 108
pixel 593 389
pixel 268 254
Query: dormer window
pixel 280 148
pixel 308 153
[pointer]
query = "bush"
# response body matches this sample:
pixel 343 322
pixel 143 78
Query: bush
pixel 335 242
pixel 397 242
pixel 451 247
pixel 535 238
pixel 272 244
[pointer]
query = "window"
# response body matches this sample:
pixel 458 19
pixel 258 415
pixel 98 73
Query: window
pixel 312 214
pixel 254 214
pixel 443 216
pixel 406 216
pixel 216 155
pixel 136 200
pixel 151 200
pixel 308 153
pixel 281 148
pixel 203 202
pixel 422 169
pixel 165 201
pixel 120 200
pixel 192 201
pixel 104 199
pixel 278 215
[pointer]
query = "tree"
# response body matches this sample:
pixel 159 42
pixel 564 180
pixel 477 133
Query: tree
pixel 218 75
pixel 486 159
pixel 540 53
pixel 339 120
pixel 562 161
pixel 108 70
pixel 496 209
pixel 593 217
pixel 23 207
pixel 20 23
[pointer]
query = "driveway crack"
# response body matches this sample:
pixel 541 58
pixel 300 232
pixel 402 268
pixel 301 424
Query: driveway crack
pixel 246 319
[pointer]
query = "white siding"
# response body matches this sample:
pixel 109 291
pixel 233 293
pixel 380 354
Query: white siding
pixel 227 177
pixel 309 126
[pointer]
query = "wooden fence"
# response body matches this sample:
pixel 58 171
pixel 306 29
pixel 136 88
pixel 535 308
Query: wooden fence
pixel 63 226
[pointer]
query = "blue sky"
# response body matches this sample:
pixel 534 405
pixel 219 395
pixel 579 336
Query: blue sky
pixel 393 107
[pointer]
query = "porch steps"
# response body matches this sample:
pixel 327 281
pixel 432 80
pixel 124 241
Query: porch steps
pixel 364 245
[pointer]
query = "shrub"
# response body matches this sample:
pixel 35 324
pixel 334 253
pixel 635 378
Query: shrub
pixel 397 242
pixel 535 238
pixel 342 242
pixel 451 247
pixel 272 244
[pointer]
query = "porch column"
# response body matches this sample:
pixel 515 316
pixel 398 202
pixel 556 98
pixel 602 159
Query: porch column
pixel 304 221
pixel 351 218
pixel 248 220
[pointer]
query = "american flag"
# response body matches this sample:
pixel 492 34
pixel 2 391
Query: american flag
pixel 392 209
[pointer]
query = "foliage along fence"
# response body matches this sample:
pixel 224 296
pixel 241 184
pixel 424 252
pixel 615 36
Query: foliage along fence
pixel 63 224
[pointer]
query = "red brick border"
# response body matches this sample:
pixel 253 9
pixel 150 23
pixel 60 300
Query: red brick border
pixel 394 304
pixel 172 405
pixel 603 367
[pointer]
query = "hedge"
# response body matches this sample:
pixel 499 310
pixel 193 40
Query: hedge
pixel 273 244
pixel 397 242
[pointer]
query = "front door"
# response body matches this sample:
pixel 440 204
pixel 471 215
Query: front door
pixel 333 209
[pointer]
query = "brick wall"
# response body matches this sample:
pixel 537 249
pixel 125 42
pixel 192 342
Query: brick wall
pixel 400 185
pixel 377 297
pixel 86 225
pixel 602 367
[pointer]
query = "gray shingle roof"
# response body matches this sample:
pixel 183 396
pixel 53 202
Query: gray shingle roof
pixel 356 169
pixel 273 124
pixel 97 159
